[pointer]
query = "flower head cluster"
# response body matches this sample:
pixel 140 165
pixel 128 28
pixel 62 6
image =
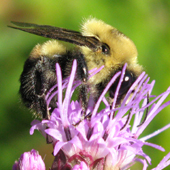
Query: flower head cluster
pixel 104 139
pixel 29 161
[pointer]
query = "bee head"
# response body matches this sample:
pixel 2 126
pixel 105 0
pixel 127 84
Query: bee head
pixel 116 49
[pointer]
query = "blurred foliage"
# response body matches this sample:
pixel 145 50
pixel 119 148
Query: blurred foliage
pixel 146 22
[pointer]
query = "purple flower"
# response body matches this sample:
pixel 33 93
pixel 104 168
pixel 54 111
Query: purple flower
pixel 105 139
pixel 164 162
pixel 29 161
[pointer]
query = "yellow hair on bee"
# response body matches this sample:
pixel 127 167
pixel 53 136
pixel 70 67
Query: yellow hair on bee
pixel 122 49
pixel 49 48
pixel 53 47
pixel 36 52
pixel 94 27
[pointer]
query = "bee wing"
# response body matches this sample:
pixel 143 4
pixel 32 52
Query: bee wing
pixel 59 34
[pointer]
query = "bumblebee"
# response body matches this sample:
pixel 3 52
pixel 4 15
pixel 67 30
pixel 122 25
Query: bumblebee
pixel 96 45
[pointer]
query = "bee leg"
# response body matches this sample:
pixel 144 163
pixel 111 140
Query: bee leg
pixel 83 98
pixel 41 107
pixel 82 74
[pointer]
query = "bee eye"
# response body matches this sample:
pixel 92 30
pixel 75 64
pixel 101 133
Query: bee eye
pixel 128 80
pixel 105 49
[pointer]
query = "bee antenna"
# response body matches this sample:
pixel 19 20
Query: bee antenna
pixel 127 120
pixel 147 110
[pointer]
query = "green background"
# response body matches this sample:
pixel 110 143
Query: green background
pixel 146 22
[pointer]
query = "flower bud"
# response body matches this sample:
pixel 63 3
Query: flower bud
pixel 29 161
